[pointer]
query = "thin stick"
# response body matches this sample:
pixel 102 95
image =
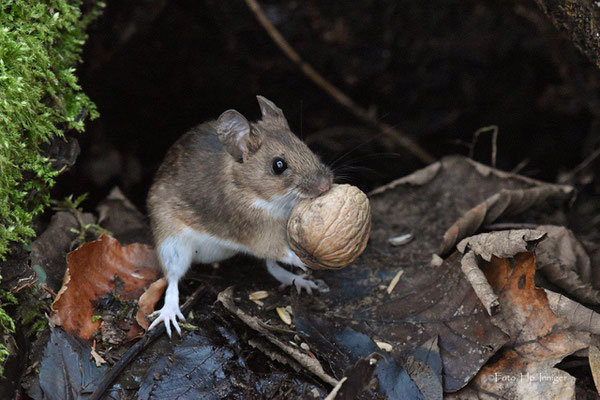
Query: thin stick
pixel 494 130
pixel 401 138
pixel 134 350
pixel 587 161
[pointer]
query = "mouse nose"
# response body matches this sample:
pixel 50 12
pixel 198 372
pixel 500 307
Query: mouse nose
pixel 323 185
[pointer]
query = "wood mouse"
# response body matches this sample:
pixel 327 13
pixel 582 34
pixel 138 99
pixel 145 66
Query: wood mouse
pixel 226 187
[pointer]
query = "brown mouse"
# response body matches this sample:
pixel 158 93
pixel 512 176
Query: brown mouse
pixel 226 187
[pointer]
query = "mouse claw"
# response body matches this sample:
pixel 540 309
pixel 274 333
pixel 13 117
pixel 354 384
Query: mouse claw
pixel 168 315
pixel 306 284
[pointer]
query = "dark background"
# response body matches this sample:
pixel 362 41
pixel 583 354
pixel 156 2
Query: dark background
pixel 436 70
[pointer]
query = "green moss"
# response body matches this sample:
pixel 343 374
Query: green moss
pixel 7 326
pixel 40 44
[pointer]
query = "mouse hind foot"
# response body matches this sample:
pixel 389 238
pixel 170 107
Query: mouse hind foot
pixel 170 312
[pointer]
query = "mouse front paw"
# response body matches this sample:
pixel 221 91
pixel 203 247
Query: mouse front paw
pixel 286 278
pixel 169 314
pixel 301 283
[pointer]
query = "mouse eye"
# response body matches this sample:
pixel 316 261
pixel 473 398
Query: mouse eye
pixel 279 165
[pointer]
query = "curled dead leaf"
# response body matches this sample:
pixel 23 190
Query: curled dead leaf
pixel 479 282
pixel 504 203
pixel 564 262
pixel 148 300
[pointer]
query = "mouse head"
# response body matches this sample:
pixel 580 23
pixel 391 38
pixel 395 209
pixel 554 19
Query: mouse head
pixel 270 160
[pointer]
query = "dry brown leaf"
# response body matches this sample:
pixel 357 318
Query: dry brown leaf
pixel 564 262
pixel 579 317
pixel 594 359
pixel 539 339
pixel 48 249
pixel 502 244
pixel 91 272
pixel 417 178
pixel 148 300
pixel 504 203
pixel 479 282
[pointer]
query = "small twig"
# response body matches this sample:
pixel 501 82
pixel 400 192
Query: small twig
pixel 134 350
pixel 275 328
pixel 494 130
pixel 587 161
pixel 48 290
pixel 520 166
pixel 401 138
pixel 503 226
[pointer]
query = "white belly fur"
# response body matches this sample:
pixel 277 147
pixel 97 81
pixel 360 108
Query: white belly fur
pixel 199 247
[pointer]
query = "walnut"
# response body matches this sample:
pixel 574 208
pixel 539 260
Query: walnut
pixel 332 230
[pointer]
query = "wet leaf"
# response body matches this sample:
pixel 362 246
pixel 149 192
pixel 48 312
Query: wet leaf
pixel 66 371
pixel 203 367
pixel 98 269
pixel 424 367
pixel 342 347
pixel 358 377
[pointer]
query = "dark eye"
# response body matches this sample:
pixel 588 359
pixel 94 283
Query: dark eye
pixel 279 165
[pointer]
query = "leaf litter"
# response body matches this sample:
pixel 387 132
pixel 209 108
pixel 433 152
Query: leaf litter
pixel 434 302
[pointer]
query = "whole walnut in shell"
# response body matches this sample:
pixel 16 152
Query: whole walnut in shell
pixel 332 230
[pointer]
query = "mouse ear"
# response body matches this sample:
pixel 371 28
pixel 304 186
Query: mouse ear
pixel 234 133
pixel 268 109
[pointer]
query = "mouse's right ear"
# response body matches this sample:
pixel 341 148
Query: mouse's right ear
pixel 234 133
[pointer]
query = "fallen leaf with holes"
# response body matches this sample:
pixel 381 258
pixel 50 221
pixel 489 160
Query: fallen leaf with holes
pixel 148 300
pixel 100 269
pixel 538 338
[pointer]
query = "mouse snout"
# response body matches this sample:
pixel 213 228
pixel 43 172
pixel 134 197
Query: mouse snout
pixel 323 185
pixel 316 184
